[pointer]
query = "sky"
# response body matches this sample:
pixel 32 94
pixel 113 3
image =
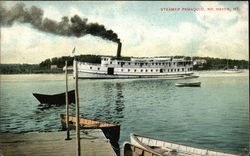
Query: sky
pixel 145 28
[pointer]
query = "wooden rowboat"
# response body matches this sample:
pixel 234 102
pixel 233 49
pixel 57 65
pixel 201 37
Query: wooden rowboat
pixel 133 150
pixel 165 148
pixel 188 84
pixel 55 98
pixel 111 131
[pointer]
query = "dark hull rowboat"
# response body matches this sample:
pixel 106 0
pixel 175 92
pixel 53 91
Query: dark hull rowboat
pixel 188 84
pixel 111 131
pixel 168 148
pixel 55 98
pixel 133 150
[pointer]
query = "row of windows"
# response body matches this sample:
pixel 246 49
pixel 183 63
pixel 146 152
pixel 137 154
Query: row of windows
pixel 151 70
pixel 141 64
pixel 156 70
pixel 159 63
pixel 105 59
pixel 92 68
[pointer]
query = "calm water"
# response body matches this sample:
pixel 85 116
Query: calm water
pixel 213 116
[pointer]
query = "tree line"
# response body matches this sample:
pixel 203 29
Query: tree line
pixel 45 66
pixel 25 69
pixel 60 61
pixel 220 64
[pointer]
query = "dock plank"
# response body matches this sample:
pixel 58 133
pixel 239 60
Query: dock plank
pixel 93 143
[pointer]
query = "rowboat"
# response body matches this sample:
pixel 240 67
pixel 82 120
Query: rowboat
pixel 55 98
pixel 133 150
pixel 168 148
pixel 232 71
pixel 111 131
pixel 190 76
pixel 188 84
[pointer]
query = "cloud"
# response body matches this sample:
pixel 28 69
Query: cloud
pixel 32 46
pixel 22 48
pixel 226 34
pixel 52 12
pixel 219 34
pixel 215 18
pixel 160 41
pixel 74 11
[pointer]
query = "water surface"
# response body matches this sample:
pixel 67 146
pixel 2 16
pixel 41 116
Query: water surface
pixel 213 116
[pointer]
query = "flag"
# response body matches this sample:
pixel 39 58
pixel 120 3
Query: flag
pixel 74 50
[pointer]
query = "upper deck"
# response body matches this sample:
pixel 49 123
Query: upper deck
pixel 147 62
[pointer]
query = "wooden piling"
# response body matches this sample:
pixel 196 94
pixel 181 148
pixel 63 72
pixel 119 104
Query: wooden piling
pixel 67 101
pixel 77 112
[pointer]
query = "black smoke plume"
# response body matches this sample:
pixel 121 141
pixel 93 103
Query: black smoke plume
pixel 75 26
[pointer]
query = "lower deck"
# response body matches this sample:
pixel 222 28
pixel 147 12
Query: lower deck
pixel 87 75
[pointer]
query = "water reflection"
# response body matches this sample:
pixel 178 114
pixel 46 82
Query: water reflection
pixel 46 117
pixel 43 107
pixel 119 103
pixel 111 109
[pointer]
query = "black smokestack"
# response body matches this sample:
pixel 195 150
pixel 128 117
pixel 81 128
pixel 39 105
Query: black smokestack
pixel 119 48
pixel 74 27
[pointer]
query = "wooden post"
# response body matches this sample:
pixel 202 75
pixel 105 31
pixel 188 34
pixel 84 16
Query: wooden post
pixel 67 102
pixel 77 112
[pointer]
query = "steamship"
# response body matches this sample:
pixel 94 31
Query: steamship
pixel 155 67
